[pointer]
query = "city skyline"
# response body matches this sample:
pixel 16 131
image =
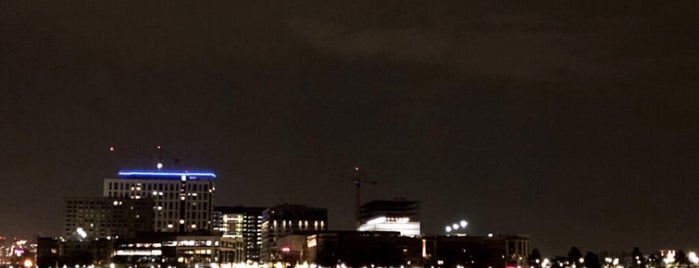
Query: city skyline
pixel 574 123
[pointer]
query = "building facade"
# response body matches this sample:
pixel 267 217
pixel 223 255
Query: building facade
pixel 183 201
pixel 496 251
pixel 173 250
pixel 391 216
pixel 281 220
pixel 244 223
pixel 90 218
pixel 362 249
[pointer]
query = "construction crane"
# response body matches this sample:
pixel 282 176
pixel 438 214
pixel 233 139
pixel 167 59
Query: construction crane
pixel 359 177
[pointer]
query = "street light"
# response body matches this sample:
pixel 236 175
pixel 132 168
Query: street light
pixel 456 226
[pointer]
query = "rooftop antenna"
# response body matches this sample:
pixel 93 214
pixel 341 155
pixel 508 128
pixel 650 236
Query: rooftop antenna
pixel 359 177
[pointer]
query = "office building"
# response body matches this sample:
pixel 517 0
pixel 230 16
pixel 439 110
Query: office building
pixel 282 220
pixel 183 201
pixel 491 251
pixel 362 249
pixel 391 216
pixel 173 250
pixel 90 218
pixel 241 222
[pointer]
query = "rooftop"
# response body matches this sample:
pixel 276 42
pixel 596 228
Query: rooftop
pixel 168 175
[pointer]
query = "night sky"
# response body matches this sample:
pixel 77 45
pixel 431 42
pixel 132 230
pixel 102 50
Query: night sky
pixel 574 123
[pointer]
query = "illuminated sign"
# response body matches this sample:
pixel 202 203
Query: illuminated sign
pixel 312 242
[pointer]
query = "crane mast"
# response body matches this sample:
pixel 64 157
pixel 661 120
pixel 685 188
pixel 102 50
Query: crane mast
pixel 359 177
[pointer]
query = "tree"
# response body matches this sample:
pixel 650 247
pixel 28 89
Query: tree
pixel 637 259
pixel 653 261
pixel 574 255
pixel 592 260
pixel 534 259
pixel 681 259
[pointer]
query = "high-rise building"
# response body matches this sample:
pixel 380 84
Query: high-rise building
pixel 89 218
pixel 183 201
pixel 241 222
pixel 391 216
pixel 282 220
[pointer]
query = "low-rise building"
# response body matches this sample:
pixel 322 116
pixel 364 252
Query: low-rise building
pixel 281 220
pixel 496 251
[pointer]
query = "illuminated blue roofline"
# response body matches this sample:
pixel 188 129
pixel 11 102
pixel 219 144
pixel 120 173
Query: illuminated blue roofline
pixel 157 174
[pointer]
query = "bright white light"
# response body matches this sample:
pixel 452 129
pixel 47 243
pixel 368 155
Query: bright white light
pixel 463 224
pixel 81 232
pixel 669 257
pixel 490 235
pixel 692 256
pixel 448 229
pixel 159 165
pixel 376 220
pixel 545 262
pixel 455 226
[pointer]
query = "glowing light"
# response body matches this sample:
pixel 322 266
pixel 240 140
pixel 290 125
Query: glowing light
pixel 463 223
pixel 28 263
pixel 693 258
pixel 81 232
pixel 376 220
pixel 159 166
pixel 448 229
pixel 111 148
pixel 455 226
pixel 139 173
pixel 545 262
pixel 286 249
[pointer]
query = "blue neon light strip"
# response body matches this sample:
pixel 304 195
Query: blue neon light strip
pixel 135 173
